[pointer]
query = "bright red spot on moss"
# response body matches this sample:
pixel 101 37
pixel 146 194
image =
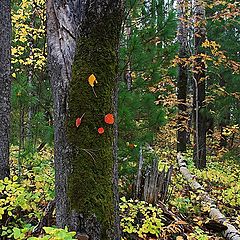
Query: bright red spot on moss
pixel 78 122
pixel 109 118
pixel 101 130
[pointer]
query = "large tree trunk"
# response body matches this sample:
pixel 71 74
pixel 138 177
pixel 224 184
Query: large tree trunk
pixel 199 87
pixel 182 77
pixel 83 38
pixel 5 86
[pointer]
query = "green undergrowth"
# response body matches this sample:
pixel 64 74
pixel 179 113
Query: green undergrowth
pixel 24 197
pixel 140 218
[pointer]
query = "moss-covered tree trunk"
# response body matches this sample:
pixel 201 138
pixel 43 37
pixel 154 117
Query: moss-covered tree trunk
pixel 5 86
pixel 83 38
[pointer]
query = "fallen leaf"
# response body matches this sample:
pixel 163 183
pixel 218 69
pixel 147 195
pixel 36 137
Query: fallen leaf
pixel 131 145
pixel 181 222
pixel 179 238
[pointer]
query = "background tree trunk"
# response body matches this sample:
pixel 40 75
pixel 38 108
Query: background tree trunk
pixel 199 87
pixel 225 119
pixel 5 85
pixel 182 77
pixel 83 38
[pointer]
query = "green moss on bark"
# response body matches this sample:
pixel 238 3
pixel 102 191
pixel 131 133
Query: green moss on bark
pixel 90 187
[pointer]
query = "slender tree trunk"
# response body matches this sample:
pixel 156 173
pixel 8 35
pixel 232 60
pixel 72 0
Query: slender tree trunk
pixel 199 87
pixel 21 138
pixel 225 119
pixel 182 77
pixel 30 82
pixel 128 72
pixel 83 39
pixel 117 229
pixel 5 86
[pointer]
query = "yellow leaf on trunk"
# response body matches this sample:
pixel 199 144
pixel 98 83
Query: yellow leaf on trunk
pixel 92 80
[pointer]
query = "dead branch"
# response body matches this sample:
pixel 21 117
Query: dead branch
pixel 44 222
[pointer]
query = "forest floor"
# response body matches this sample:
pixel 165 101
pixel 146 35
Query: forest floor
pixel 221 180
pixel 23 198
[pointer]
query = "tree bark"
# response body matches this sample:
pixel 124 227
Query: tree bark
pixel 83 38
pixel 199 87
pixel 182 77
pixel 5 86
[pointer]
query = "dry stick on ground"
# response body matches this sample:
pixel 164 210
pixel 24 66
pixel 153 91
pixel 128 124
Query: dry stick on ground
pixel 177 220
pixel 48 212
pixel 231 233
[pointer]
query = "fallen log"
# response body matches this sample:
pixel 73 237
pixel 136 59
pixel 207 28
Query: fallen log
pixel 231 233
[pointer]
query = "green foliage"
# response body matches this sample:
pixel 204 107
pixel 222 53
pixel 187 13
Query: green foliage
pixel 146 53
pixel 31 95
pixel 140 218
pixel 17 233
pixel 223 77
pixel 223 177
pixel 22 203
pixel 51 233
pixel 183 204
pixel 55 233
pixel 198 234
pixel 220 179
pixel 139 116
pixel 22 199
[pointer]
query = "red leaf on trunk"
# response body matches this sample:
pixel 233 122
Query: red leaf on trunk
pixel 109 118
pixel 100 130
pixel 79 120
